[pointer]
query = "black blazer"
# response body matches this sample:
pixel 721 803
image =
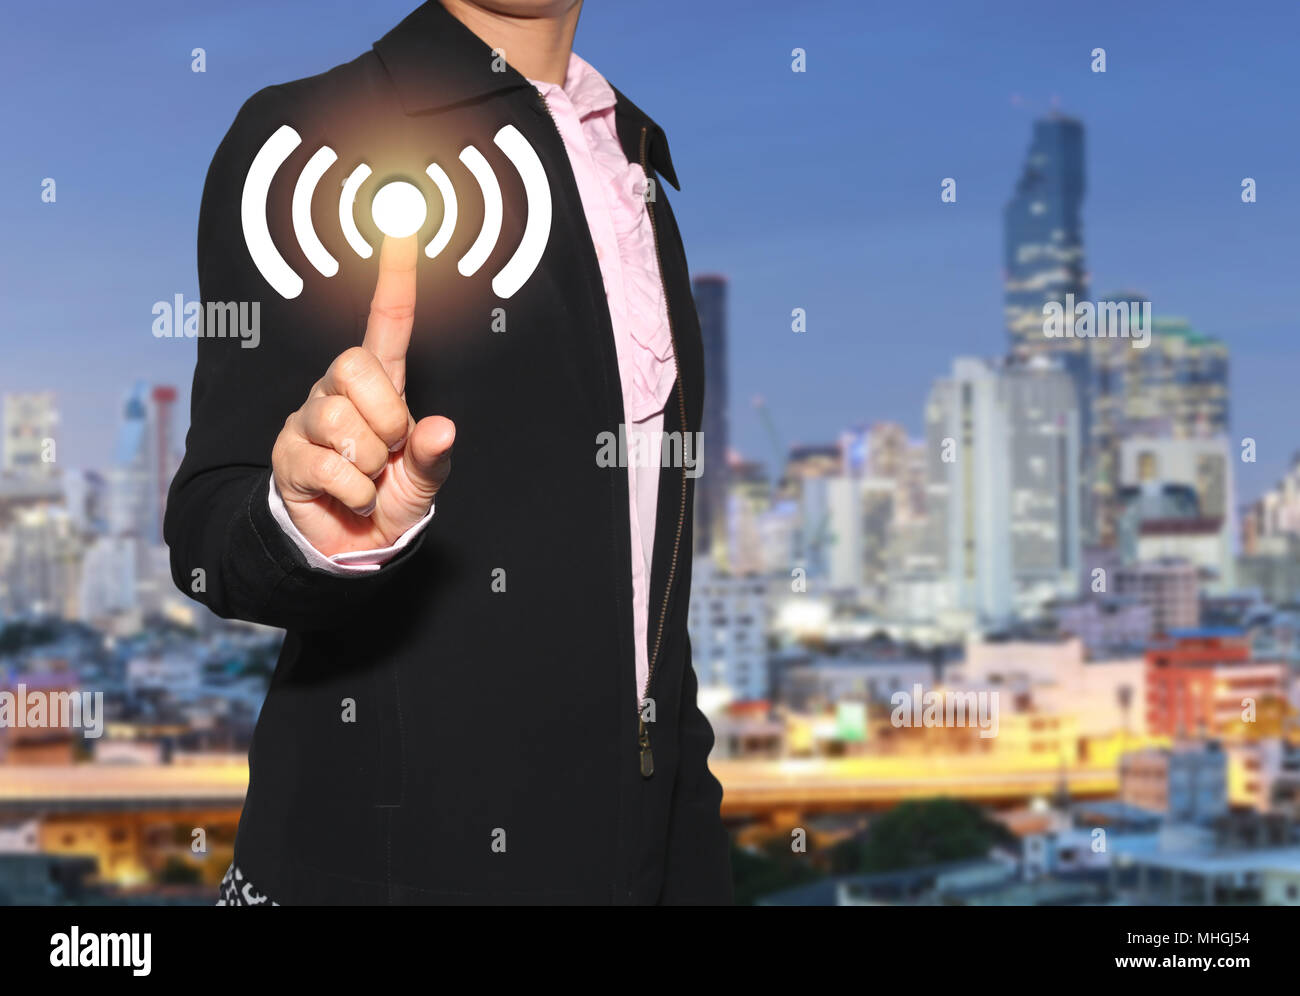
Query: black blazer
pixel 493 755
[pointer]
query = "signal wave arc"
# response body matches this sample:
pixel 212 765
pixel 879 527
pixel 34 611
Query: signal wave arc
pixel 537 228
pixel 449 210
pixel 312 248
pixel 477 254
pixel 350 231
pixel 252 211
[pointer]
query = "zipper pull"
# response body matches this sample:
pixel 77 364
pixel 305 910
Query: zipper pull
pixel 647 755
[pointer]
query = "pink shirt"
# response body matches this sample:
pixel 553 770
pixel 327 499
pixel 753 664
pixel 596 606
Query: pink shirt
pixel 613 199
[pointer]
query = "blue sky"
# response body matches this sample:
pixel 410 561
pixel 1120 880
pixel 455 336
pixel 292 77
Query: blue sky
pixel 817 190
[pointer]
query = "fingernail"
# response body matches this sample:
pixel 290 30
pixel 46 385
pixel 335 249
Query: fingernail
pixel 369 509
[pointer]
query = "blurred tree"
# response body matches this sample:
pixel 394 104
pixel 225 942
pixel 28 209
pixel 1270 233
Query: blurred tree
pixel 915 834
pixel 771 869
pixel 178 871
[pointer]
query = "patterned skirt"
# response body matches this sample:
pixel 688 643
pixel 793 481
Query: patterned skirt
pixel 236 890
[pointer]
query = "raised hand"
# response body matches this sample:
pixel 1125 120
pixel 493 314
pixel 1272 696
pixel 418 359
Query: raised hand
pixel 354 468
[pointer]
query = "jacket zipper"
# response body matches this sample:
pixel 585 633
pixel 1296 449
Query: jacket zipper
pixel 643 733
pixel 645 753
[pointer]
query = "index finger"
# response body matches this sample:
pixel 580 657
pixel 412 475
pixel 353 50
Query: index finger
pixel 392 309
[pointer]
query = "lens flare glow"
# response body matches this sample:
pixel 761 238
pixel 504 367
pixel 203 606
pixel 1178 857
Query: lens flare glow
pixel 398 209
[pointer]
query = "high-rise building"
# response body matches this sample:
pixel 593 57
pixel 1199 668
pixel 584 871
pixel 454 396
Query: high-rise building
pixel 144 460
pixel 31 423
pixel 894 512
pixel 131 495
pixel 973 462
pixel 1115 374
pixel 710 526
pixel 918 577
pixel 930 554
pixel 1008 447
pixel 1044 263
pixel 1043 254
pixel 1044 444
pixel 42 564
pixel 1176 386
pixel 1181 376
pixel 806 486
pixel 829 542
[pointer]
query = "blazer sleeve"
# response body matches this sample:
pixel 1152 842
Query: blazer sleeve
pixel 227 551
pixel 698 869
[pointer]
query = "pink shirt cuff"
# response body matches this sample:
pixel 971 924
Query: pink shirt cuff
pixel 356 562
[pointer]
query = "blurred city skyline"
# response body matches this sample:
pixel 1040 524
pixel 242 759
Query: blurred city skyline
pixel 937 505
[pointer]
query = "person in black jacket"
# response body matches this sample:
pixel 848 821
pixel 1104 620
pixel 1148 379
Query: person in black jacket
pixel 456 719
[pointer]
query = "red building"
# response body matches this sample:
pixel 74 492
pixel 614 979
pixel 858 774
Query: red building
pixel 1198 682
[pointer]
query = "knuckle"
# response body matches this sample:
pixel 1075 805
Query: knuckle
pixel 335 412
pixel 329 467
pixel 352 365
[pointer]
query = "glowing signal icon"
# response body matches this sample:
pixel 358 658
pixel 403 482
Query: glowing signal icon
pixel 398 209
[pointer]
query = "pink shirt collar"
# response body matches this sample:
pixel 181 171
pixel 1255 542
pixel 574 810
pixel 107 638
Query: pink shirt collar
pixel 586 89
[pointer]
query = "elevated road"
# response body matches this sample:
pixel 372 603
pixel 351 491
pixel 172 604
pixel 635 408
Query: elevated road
pixel 752 788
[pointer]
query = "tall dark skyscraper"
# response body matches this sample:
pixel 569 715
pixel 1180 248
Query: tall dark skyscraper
pixel 711 489
pixel 1043 261
pixel 1043 250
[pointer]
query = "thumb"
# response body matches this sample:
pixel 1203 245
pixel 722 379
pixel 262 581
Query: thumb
pixel 428 453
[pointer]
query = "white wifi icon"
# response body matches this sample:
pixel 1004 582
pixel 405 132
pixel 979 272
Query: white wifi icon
pixel 398 209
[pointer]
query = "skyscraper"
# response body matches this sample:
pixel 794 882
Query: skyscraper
pixel 711 488
pixel 1008 444
pixel 1182 376
pixel 1176 387
pixel 1044 444
pixel 973 464
pixel 130 493
pixel 1043 262
pixel 1043 237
